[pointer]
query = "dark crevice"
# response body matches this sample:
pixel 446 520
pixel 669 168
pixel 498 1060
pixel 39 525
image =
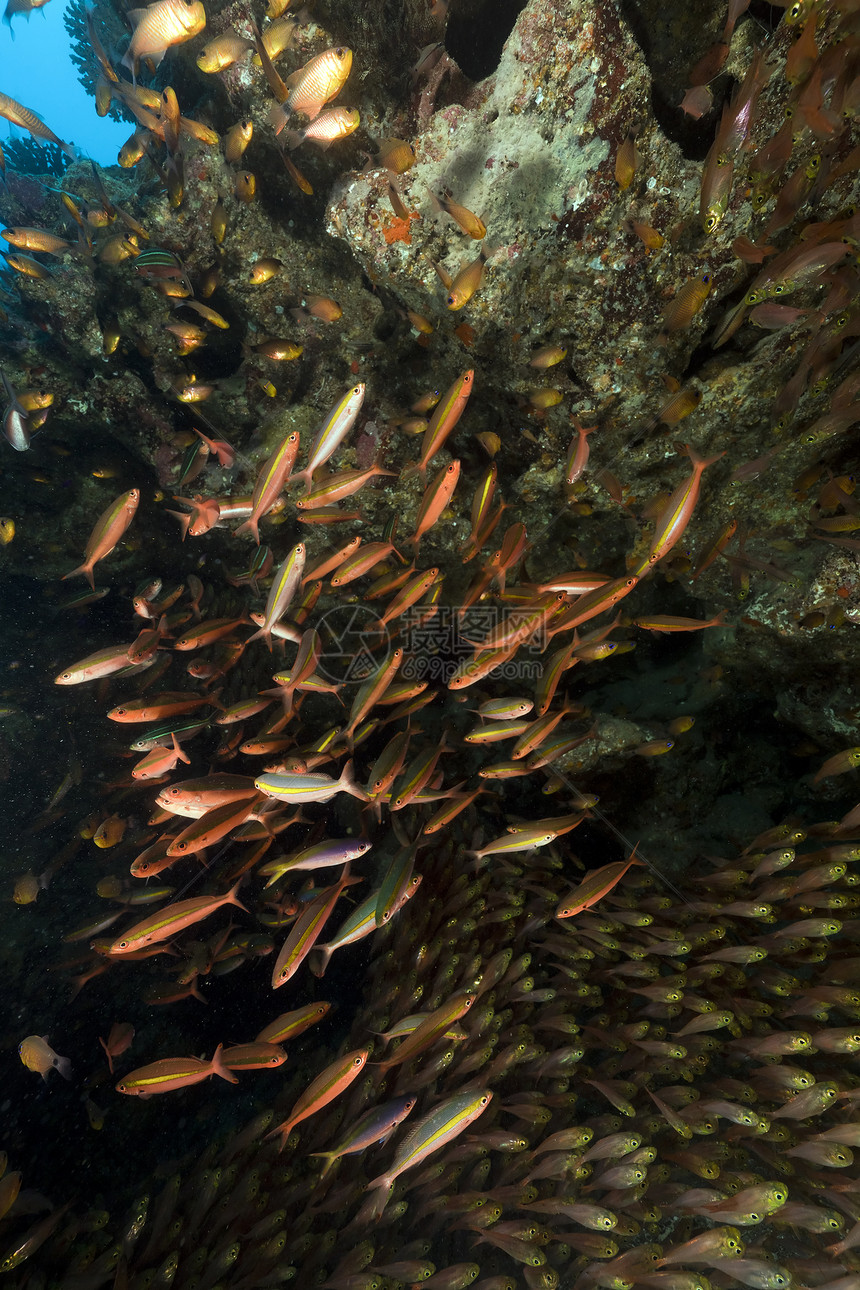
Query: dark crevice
pixel 671 48
pixel 476 33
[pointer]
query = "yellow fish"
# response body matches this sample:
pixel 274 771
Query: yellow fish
pixel 37 1055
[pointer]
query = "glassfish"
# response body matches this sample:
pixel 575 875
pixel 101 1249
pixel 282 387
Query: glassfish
pixel 118 1041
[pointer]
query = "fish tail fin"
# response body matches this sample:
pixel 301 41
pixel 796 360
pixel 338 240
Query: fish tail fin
pixel 263 634
pixel 231 898
pixel 292 138
pixel 64 1066
pixel 303 475
pixel 438 208
pixel 184 521
pixel 218 1067
pixel 278 117
pixel 386 1183
pixel 86 570
pixel 252 525
pixel 318 962
pixel 350 784
pixel 179 753
pixel 698 460
pixel 283 1129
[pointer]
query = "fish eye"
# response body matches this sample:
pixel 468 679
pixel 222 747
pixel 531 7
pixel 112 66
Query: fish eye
pixel 706 278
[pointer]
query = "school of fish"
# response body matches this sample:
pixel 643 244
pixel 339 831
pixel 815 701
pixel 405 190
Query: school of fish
pixel 437 1049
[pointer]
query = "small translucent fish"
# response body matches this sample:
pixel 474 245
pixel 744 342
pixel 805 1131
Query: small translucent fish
pixel 720 1242
pixel 750 1205
pixel 841 762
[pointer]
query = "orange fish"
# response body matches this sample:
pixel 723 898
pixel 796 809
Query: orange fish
pixel 108 530
pixel 120 1038
pixel 314 85
pixel 333 1080
pixel 27 120
pixel 595 887
pixel 166 922
pixel 172 1073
